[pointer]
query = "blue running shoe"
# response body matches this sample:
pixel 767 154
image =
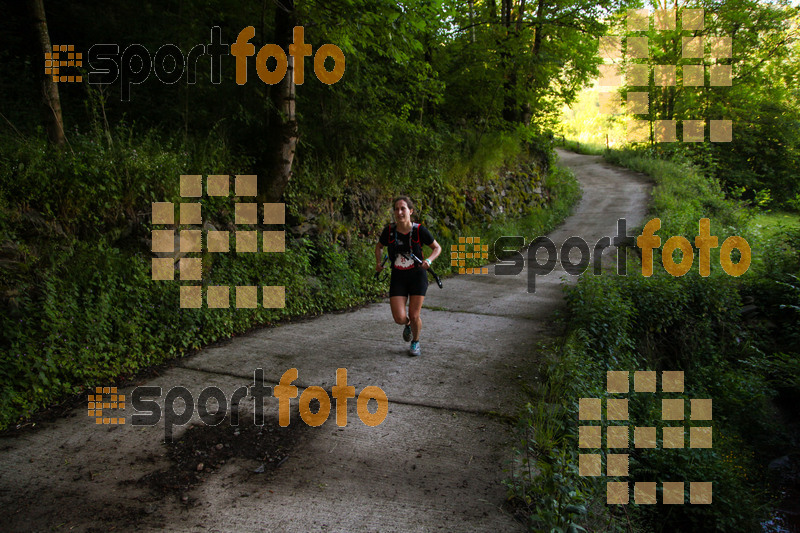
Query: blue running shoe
pixel 407 333
pixel 413 350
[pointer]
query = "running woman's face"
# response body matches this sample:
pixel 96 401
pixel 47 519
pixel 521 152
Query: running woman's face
pixel 401 211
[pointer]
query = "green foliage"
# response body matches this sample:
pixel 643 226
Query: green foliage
pixel 683 195
pixel 687 323
pixel 761 102
pixel 79 307
pixel 690 324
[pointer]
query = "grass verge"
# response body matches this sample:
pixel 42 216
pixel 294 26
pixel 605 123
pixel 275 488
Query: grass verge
pixel 731 337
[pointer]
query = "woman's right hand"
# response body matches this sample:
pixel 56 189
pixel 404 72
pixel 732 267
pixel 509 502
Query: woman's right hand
pixel 378 267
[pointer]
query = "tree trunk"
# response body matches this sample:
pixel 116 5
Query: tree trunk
pixel 472 19
pixel 513 111
pixel 507 7
pixel 538 29
pixel 492 10
pixel 50 100
pixel 284 119
pixel 521 15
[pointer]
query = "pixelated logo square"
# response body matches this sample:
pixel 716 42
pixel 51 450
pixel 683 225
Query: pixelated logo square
pixel 590 464
pixel 610 47
pixel 665 19
pixel 617 409
pixel 720 46
pixel 644 381
pixel 246 296
pixel 246 213
pixel 97 402
pixel 617 381
pixel 610 76
pixel 54 60
pixel 700 437
pixel 721 131
pixel 617 464
pixel 720 75
pixel 218 241
pixel 672 409
pixel 638 75
pixel 274 297
pixel 617 493
pixel 694 75
pixel 218 296
pixel 190 213
pixel 589 436
pixel 664 75
pixel 701 408
pixel 638 131
pixel 191 268
pixel 191 297
pixel 672 381
pixel 163 268
pixel 693 19
pixel 218 185
pixel 644 492
pixel 638 103
pixel 692 47
pixel 246 241
pixel 700 492
pixel 665 131
pixel 644 437
pixel 191 186
pixel 246 185
pixel 693 131
pixel 638 20
pixel 673 493
pixel 638 47
pixel 610 103
pixel 163 241
pixel 589 408
pixel 274 241
pixel 673 437
pixel 274 213
pixel 191 240
pixel 163 213
pixel 617 436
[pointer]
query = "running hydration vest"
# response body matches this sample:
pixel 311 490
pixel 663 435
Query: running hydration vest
pixel 393 246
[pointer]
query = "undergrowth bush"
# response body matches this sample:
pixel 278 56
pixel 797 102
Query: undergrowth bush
pixel 657 323
pixel 78 306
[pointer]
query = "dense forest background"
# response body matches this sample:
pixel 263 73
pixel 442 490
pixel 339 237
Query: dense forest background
pixel 456 103
pixel 446 102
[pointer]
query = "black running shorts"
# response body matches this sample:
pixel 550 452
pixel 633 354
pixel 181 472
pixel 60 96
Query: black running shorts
pixel 412 282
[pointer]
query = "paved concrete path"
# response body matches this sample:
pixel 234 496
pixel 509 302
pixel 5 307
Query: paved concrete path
pixel 434 464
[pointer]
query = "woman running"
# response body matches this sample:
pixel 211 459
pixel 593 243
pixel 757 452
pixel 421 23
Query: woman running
pixel 409 281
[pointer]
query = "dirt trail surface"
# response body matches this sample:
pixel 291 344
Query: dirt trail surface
pixel 434 464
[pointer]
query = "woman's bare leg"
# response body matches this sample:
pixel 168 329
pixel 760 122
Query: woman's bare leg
pixel 414 307
pixel 398 305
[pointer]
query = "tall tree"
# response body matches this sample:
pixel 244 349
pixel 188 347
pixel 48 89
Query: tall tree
pixel 540 51
pixel 50 100
pixel 747 74
pixel 283 119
